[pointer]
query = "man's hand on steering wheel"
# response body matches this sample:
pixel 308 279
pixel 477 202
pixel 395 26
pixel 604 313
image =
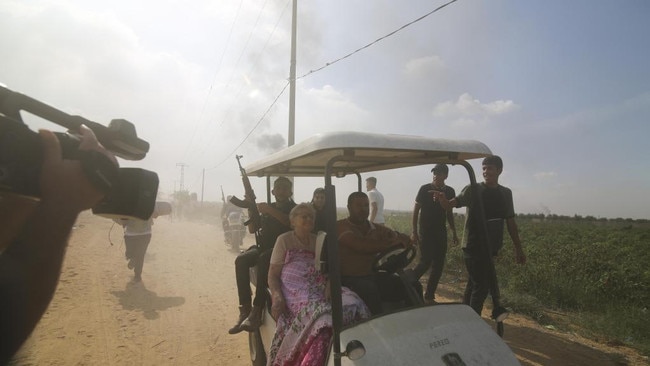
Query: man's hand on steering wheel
pixel 403 240
pixel 395 258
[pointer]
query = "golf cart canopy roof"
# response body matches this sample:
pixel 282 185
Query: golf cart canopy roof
pixel 359 152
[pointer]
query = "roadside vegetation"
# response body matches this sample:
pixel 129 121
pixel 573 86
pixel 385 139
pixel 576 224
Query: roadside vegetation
pixel 584 275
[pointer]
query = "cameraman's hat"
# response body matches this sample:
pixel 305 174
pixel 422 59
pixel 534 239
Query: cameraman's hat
pixel 440 168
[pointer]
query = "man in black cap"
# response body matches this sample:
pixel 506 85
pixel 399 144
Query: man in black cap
pixel 432 233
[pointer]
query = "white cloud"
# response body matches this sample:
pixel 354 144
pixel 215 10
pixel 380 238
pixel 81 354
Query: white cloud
pixel 424 66
pixel 328 109
pixel 195 78
pixel 468 111
pixel 544 175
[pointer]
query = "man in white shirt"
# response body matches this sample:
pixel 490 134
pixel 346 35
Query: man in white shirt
pixel 137 235
pixel 376 202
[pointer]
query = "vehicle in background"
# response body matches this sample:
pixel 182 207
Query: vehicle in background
pixel 234 230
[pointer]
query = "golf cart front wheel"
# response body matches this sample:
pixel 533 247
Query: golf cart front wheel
pixel 256 348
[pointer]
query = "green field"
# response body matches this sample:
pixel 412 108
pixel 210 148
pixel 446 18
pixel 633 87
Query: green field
pixel 585 275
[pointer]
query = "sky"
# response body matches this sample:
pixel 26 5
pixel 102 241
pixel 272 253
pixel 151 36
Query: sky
pixel 559 89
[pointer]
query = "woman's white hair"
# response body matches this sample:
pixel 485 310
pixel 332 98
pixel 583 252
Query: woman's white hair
pixel 301 207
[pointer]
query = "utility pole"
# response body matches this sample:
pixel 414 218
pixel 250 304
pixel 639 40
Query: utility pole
pixel 292 76
pixel 182 165
pixel 202 184
pixel 291 138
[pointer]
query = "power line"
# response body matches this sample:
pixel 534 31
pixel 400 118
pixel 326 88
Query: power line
pixel 375 41
pixel 214 77
pixel 229 109
pixel 260 53
pixel 251 70
pixel 254 127
pixel 327 65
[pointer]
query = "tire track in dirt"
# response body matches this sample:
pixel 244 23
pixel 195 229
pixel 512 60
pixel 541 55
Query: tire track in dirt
pixel 178 315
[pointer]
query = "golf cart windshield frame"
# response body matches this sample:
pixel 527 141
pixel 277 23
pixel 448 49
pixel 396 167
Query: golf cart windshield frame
pixel 339 154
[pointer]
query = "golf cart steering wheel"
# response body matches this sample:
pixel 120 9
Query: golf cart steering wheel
pixel 394 259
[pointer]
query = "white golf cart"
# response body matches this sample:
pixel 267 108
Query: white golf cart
pixel 442 334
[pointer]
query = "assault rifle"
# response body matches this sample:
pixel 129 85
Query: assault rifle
pixel 249 203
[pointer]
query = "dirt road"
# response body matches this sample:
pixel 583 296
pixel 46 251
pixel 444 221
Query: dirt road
pixel 181 311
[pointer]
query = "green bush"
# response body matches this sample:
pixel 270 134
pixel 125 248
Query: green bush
pixel 580 265
pixel 596 269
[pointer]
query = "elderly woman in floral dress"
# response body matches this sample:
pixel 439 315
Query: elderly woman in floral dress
pixel 300 297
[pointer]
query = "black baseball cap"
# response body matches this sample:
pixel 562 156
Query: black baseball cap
pixel 440 168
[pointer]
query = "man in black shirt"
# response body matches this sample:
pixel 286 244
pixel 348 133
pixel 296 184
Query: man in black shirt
pixel 432 235
pixel 274 221
pixel 497 207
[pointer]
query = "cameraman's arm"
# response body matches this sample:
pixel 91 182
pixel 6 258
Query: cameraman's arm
pixel 31 264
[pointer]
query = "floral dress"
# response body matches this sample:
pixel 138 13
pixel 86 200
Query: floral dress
pixel 304 332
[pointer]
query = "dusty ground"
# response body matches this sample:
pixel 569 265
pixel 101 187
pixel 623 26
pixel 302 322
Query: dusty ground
pixel 180 313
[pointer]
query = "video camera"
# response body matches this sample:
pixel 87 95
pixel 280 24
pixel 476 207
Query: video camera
pixel 130 192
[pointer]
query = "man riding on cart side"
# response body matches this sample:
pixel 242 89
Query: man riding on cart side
pixel 275 221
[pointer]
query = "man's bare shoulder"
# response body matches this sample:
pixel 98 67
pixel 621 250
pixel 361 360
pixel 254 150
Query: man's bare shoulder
pixel 343 225
pixel 383 232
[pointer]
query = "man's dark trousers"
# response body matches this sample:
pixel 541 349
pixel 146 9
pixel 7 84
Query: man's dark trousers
pixel 251 258
pixel 433 251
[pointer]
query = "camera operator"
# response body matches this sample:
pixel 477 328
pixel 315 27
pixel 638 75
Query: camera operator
pixel 35 236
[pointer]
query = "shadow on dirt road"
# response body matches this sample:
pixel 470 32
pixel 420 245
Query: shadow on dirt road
pixel 137 297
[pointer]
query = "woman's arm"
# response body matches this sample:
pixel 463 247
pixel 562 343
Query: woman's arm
pixel 414 223
pixel 520 256
pixel 278 305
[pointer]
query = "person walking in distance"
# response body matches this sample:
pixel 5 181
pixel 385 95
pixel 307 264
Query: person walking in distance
pixel 376 202
pixel 498 208
pixel 432 232
pixel 137 235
